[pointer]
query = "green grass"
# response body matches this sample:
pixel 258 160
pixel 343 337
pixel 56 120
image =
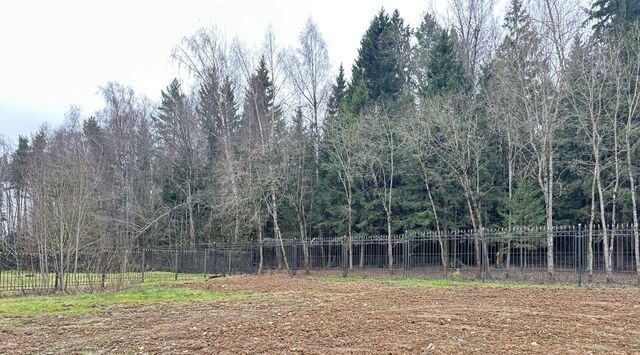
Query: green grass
pixel 441 283
pixel 14 281
pixel 85 303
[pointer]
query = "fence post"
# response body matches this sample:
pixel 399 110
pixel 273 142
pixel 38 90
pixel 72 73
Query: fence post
pixel 144 265
pixel 251 251
pixel 345 262
pixel 213 257
pixel 204 267
pixel 406 254
pixel 294 256
pixel 483 248
pixel 579 239
pixel 102 277
pixel 175 277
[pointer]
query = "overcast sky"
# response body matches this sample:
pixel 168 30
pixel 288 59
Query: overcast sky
pixel 54 54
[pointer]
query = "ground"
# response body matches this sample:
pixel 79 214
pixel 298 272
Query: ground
pixel 282 314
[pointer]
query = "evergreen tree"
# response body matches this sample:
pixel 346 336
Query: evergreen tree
pixel 357 95
pixel 266 132
pixel 426 35
pixel 19 162
pixel 19 180
pixel 617 15
pixel 209 111
pixel 260 110
pixel 178 136
pixel 445 72
pixel 338 92
pixel 383 59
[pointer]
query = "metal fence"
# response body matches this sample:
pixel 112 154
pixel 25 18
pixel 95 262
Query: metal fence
pixel 520 254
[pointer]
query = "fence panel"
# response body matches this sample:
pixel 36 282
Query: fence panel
pixel 580 255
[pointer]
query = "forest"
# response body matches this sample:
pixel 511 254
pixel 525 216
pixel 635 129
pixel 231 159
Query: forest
pixel 464 122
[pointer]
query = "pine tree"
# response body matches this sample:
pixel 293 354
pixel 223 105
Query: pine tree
pixel 177 129
pixel 338 92
pixel 357 95
pixel 617 15
pixel 445 72
pixel 426 35
pixel 18 178
pixel 261 114
pixel 209 111
pixel 397 47
pixel 263 120
pixel 383 60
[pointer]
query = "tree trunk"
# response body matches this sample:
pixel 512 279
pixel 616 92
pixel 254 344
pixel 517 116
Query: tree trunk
pixel 603 220
pixel 261 249
pixel 509 229
pixel 389 244
pixel 276 227
pixel 634 207
pixel 192 230
pixel 590 236
pixel 549 217
pixel 444 250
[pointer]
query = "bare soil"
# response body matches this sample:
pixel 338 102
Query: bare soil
pixel 317 316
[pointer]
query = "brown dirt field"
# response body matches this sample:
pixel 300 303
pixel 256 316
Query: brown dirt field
pixel 316 316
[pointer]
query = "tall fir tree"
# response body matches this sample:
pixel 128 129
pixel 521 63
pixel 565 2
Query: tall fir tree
pixel 382 62
pixel 338 92
pixel 426 36
pixel 616 15
pixel 445 71
pixel 261 114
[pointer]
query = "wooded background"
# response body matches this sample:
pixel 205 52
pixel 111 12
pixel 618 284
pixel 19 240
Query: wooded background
pixel 468 122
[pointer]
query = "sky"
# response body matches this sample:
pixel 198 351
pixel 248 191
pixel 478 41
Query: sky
pixel 54 54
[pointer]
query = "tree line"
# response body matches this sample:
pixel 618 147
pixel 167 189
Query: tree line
pixel 467 122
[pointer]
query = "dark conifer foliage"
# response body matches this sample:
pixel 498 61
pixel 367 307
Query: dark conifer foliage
pixel 270 144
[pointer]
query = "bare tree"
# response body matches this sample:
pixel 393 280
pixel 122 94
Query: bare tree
pixel 343 144
pixel 626 59
pixel 591 101
pixel 542 97
pixel 208 58
pixel 418 133
pixel 4 186
pixel 475 25
pixel 379 159
pixel 308 69
pixel 462 147
pixel 63 203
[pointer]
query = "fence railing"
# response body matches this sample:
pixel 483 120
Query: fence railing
pixel 580 255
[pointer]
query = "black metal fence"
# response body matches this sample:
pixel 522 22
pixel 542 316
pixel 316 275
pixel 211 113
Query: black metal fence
pixel 580 255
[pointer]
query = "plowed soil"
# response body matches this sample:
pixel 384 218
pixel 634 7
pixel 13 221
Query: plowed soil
pixel 285 314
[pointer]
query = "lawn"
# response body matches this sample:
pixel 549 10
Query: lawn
pixel 147 293
pixel 12 281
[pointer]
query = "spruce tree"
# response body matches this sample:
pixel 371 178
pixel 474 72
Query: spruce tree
pixel 383 60
pixel 426 35
pixel 209 111
pixel 616 15
pixel 445 72
pixel 260 111
pixel 338 92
